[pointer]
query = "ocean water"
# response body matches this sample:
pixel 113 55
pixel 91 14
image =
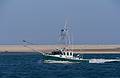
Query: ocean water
pixel 30 65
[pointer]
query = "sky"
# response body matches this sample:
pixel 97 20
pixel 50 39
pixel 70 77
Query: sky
pixel 39 21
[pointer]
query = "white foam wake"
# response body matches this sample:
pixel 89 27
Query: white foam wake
pixel 103 60
pixel 53 61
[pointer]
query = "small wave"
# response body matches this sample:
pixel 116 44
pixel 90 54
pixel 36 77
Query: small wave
pixel 39 61
pixel 103 60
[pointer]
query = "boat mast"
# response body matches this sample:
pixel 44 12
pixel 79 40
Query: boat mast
pixel 65 36
pixel 67 43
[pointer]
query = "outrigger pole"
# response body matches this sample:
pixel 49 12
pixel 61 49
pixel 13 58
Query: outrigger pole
pixel 35 50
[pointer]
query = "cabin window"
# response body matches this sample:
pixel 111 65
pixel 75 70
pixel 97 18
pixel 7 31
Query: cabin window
pixel 63 53
pixel 67 53
pixel 71 54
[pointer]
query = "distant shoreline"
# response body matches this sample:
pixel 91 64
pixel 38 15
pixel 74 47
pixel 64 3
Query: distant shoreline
pixel 84 49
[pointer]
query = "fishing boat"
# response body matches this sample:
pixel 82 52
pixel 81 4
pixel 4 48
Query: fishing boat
pixel 64 54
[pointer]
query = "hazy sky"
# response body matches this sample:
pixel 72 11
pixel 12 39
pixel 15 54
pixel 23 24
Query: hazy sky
pixel 39 21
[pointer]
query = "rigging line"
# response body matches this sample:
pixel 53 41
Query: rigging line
pixel 35 50
pixel 28 42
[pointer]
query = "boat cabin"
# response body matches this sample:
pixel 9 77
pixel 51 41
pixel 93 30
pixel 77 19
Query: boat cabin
pixel 58 52
pixel 64 53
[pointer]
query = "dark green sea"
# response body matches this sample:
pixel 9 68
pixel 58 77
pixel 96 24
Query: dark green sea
pixel 30 65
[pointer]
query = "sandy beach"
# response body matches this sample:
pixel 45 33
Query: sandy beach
pixel 98 49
